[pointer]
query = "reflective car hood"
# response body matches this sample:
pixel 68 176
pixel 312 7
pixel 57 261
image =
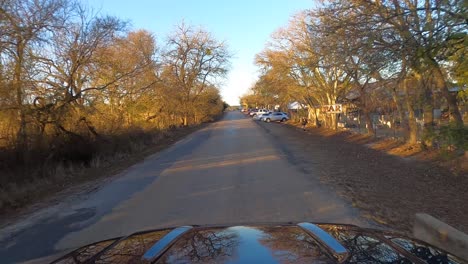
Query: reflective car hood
pixel 288 243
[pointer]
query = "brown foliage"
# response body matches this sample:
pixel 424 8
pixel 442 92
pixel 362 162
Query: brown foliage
pixel 76 86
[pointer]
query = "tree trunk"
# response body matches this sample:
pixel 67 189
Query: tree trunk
pixel 329 121
pixel 185 120
pixel 312 113
pixel 317 121
pixel 335 122
pixel 451 98
pixel 401 114
pixel 17 80
pixel 365 110
pixel 370 126
pixel 412 125
pixel 428 117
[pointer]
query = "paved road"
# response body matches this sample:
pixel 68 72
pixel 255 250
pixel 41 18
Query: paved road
pixel 229 172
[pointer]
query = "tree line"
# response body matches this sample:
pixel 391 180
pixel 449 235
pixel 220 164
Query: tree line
pixel 406 58
pixel 71 78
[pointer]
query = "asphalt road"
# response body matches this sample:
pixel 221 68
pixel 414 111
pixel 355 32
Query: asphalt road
pixel 229 172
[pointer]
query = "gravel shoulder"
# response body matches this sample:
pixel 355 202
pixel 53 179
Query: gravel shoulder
pixel 387 189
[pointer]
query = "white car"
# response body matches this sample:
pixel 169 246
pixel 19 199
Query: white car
pixel 259 112
pixel 253 112
pixel 275 116
pixel 259 117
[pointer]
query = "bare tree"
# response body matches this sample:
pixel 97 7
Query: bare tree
pixel 425 35
pixel 69 68
pixel 297 51
pixel 195 60
pixel 26 23
pixel 352 36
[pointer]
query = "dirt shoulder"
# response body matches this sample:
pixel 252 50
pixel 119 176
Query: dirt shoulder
pixel 47 192
pixel 388 189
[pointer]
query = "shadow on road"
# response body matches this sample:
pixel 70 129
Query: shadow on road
pixel 39 240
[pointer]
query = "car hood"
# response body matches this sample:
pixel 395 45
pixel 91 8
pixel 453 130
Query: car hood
pixel 261 243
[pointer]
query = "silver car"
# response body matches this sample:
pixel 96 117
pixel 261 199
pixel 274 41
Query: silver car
pixel 275 116
pixel 260 112
pixel 259 117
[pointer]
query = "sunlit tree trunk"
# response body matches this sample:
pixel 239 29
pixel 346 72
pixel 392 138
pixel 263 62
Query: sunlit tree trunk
pixel 185 120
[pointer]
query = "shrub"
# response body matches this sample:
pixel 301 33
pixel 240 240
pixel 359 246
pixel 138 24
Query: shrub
pixel 451 137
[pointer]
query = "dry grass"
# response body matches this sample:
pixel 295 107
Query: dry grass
pixel 387 180
pixel 457 164
pixel 114 157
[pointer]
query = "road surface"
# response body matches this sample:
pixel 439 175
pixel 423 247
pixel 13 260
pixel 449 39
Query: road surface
pixel 229 172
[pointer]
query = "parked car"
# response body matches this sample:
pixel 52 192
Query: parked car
pixel 259 117
pixel 251 111
pixel 275 116
pixel 260 112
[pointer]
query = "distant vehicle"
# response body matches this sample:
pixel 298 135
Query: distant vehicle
pixel 259 117
pixel 252 112
pixel 275 116
pixel 260 112
pixel 267 243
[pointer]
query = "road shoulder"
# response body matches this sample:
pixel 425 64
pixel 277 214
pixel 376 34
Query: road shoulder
pixel 88 180
pixel 387 188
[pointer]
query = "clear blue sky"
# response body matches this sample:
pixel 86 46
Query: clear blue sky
pixel 245 25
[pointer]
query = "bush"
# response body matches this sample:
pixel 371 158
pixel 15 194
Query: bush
pixel 451 137
pixel 23 173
